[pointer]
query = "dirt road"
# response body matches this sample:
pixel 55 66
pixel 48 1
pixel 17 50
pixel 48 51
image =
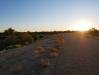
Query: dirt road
pixel 78 56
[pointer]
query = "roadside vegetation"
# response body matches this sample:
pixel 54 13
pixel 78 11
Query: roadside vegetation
pixel 10 38
pixel 94 32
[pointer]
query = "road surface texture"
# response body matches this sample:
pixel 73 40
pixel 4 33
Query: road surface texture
pixel 79 55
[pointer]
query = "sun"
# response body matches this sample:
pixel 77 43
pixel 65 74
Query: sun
pixel 82 26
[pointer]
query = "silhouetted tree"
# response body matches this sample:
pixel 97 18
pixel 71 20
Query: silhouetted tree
pixel 94 31
pixel 9 31
pixel 11 36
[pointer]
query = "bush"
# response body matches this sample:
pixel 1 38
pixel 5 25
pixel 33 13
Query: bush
pixel 93 32
pixel 25 37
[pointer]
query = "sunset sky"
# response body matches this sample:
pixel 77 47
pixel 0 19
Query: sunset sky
pixel 47 15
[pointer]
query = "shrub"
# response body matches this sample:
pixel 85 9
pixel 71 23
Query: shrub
pixel 54 54
pixel 26 37
pixel 54 50
pixel 45 63
pixel 40 50
pixel 59 41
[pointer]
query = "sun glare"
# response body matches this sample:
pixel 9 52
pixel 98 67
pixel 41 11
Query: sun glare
pixel 82 26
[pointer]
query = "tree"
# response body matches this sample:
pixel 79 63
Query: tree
pixel 9 31
pixel 11 36
pixel 94 31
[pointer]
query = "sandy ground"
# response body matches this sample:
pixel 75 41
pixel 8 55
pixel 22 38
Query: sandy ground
pixel 79 55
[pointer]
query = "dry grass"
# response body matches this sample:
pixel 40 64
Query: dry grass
pixel 54 54
pixel 44 63
pixel 58 40
pixel 39 50
pixel 54 50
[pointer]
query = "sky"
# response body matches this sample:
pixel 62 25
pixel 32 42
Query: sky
pixel 47 15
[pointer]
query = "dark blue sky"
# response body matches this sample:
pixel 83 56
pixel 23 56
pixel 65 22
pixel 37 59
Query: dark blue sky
pixel 39 15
